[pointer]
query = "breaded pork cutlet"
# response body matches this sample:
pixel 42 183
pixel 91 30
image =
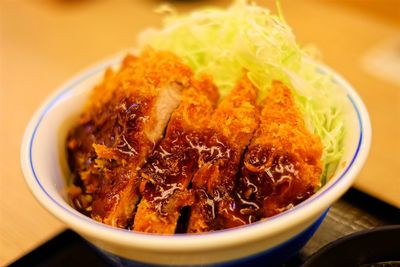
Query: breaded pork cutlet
pixel 169 168
pixel 282 166
pixel 213 185
pixel 123 120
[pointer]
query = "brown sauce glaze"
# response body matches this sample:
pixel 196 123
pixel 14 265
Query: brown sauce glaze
pixel 282 165
pixel 169 168
pixel 123 120
pixel 171 165
pixel 196 165
pixel 102 148
pixel 234 122
pixel 214 184
pixel 269 184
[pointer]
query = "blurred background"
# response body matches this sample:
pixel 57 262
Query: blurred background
pixel 45 42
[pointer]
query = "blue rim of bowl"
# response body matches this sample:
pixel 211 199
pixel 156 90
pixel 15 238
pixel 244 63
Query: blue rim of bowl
pixel 71 85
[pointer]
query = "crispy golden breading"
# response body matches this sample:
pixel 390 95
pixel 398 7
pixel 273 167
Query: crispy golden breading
pixel 282 166
pixel 119 157
pixel 124 118
pixel 236 117
pixel 144 75
pixel 167 173
pixel 233 123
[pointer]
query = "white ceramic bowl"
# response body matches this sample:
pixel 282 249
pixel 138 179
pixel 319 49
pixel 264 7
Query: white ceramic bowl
pixel 43 160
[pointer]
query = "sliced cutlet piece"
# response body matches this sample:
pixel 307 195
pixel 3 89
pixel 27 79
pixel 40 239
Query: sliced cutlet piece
pixel 233 124
pixel 169 169
pixel 282 166
pixel 123 120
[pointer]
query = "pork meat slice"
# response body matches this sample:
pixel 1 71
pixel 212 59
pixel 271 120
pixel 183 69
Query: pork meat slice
pixel 123 120
pixel 282 166
pixel 233 125
pixel 169 169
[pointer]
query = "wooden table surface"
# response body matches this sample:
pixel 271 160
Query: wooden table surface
pixel 45 42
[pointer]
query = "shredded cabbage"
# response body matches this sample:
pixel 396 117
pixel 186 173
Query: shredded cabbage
pixel 223 42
